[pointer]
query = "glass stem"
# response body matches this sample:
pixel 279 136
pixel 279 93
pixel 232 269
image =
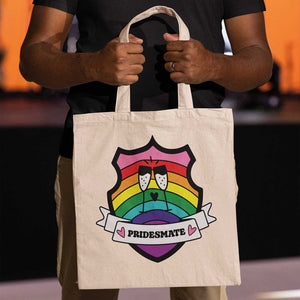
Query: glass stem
pixel 143 201
pixel 166 200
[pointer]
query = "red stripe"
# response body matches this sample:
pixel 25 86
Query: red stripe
pixel 171 167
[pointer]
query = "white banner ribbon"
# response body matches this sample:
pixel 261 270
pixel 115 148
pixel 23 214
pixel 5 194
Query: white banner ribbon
pixel 187 229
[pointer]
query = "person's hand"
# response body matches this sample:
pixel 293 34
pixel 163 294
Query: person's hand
pixel 118 63
pixel 188 61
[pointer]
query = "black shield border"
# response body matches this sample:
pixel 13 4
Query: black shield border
pixel 151 143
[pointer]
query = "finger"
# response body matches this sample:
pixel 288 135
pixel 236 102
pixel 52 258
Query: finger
pixel 175 46
pixel 136 59
pixel 172 56
pixel 134 39
pixel 173 67
pixel 133 48
pixel 134 69
pixel 177 77
pixel 130 79
pixel 171 37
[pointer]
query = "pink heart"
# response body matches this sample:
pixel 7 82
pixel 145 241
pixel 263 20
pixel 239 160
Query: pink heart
pixel 191 229
pixel 121 232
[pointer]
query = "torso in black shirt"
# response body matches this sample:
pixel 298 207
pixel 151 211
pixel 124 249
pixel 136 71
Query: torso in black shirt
pixel 101 21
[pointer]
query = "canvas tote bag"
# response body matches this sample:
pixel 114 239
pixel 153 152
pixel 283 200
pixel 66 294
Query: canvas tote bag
pixel 155 193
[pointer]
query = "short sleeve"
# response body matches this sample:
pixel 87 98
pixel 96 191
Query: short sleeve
pixel 234 8
pixel 69 6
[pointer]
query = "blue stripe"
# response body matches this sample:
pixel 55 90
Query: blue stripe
pixel 153 205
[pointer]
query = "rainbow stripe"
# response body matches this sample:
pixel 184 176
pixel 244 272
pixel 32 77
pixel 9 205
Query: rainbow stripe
pixel 126 160
pixel 181 197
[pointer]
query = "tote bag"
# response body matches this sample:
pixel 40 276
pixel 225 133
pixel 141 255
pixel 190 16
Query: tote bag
pixel 155 193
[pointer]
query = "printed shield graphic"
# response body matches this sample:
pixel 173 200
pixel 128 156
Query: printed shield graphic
pixel 154 187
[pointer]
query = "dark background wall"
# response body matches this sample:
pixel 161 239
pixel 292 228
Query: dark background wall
pixel 268 173
pixel 268 209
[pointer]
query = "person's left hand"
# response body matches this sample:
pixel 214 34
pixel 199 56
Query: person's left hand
pixel 192 63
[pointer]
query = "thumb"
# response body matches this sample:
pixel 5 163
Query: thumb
pixel 134 39
pixel 171 37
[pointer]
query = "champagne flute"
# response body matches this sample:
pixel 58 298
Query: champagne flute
pixel 144 181
pixel 161 178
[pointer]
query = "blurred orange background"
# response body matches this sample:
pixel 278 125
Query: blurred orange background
pixel 282 22
pixel 14 20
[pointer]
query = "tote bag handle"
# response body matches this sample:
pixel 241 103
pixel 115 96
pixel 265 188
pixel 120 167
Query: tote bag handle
pixel 184 91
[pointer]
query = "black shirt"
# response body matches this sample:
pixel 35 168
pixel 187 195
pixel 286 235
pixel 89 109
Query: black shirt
pixel 101 21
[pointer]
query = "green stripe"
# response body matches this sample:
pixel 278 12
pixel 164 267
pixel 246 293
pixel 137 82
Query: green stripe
pixel 129 204
pixel 181 202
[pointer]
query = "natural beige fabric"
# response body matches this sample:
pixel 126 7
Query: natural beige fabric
pixel 208 261
pixel 66 262
pixel 211 260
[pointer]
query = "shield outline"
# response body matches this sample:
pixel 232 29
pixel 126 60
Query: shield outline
pixel 153 143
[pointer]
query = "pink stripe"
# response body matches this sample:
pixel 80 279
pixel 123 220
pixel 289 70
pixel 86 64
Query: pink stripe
pixel 180 158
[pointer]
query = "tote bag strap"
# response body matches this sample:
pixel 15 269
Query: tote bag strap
pixel 184 91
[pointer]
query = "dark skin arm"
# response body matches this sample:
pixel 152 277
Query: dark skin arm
pixel 249 67
pixel 42 59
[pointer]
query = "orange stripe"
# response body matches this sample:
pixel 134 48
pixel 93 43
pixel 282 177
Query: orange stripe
pixel 125 184
pixel 175 178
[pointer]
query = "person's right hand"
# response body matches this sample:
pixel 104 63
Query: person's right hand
pixel 118 63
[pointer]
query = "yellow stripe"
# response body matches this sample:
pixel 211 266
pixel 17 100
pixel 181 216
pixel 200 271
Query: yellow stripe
pixel 153 185
pixel 122 197
pixel 183 192
pixel 125 184
pixel 172 187
pixel 130 192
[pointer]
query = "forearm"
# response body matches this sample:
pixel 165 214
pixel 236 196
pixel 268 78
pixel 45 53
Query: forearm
pixel 50 67
pixel 116 64
pixel 249 68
